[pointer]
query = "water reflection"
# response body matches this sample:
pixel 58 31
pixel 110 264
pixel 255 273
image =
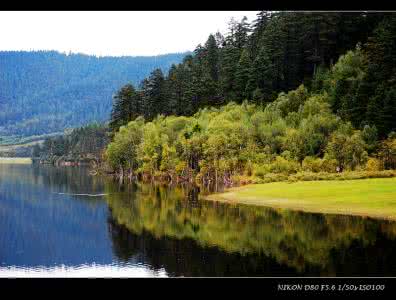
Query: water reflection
pixel 42 228
pixel 147 230
pixel 91 271
pixel 184 257
pixel 216 239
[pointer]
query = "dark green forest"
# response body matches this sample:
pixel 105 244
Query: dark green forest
pixel 81 143
pixel 291 92
pixel 46 91
pixel 276 53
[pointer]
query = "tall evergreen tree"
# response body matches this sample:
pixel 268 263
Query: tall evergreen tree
pixel 126 107
pixel 278 52
pixel 242 76
pixel 153 91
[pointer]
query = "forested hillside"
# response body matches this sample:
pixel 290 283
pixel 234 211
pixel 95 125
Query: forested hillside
pixel 79 144
pixel 276 53
pixel 292 92
pixel 47 91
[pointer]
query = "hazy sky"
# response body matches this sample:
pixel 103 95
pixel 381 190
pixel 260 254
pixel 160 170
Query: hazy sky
pixel 113 33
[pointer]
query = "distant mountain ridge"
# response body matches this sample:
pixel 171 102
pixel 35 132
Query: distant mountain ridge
pixel 47 91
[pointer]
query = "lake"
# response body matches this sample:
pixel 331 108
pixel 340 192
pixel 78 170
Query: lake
pixel 64 222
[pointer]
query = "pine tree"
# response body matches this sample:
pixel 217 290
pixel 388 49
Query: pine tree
pixel 153 91
pixel 126 107
pixel 242 76
pixel 212 57
pixel 278 52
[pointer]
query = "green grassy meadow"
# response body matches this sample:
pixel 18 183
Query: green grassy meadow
pixel 375 197
pixel 15 160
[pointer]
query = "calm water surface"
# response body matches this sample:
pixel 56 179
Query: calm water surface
pixel 64 222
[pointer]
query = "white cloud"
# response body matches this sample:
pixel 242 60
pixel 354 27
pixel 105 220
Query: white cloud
pixel 113 33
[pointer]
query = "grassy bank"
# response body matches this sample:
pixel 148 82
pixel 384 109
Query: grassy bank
pixel 374 197
pixel 15 160
pixel 311 176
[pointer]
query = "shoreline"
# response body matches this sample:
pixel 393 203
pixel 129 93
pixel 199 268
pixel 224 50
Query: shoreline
pixel 16 160
pixel 304 196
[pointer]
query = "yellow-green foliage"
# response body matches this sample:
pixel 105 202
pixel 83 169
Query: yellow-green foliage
pixel 122 151
pixel 15 160
pixel 348 175
pixel 387 152
pixel 281 165
pixel 295 132
pixel 312 164
pixel 315 164
pixel 261 176
pixel 373 164
pixel 348 148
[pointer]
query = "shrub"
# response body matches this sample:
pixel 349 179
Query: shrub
pixel 249 168
pixel 271 177
pixel 387 152
pixel 261 170
pixel 373 164
pixel 312 164
pixel 348 149
pixel 349 175
pixel 281 165
pixel 329 164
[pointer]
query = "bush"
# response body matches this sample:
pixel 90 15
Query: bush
pixel 348 149
pixel 271 177
pixel 261 170
pixel 387 152
pixel 249 168
pixel 329 165
pixel 243 180
pixel 312 164
pixel 281 165
pixel 351 175
pixel 373 164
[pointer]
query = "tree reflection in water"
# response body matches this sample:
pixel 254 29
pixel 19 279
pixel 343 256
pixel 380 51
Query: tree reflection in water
pixel 171 228
pixel 44 223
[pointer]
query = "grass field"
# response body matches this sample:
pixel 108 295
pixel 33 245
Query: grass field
pixel 365 197
pixel 14 147
pixel 20 140
pixel 15 160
